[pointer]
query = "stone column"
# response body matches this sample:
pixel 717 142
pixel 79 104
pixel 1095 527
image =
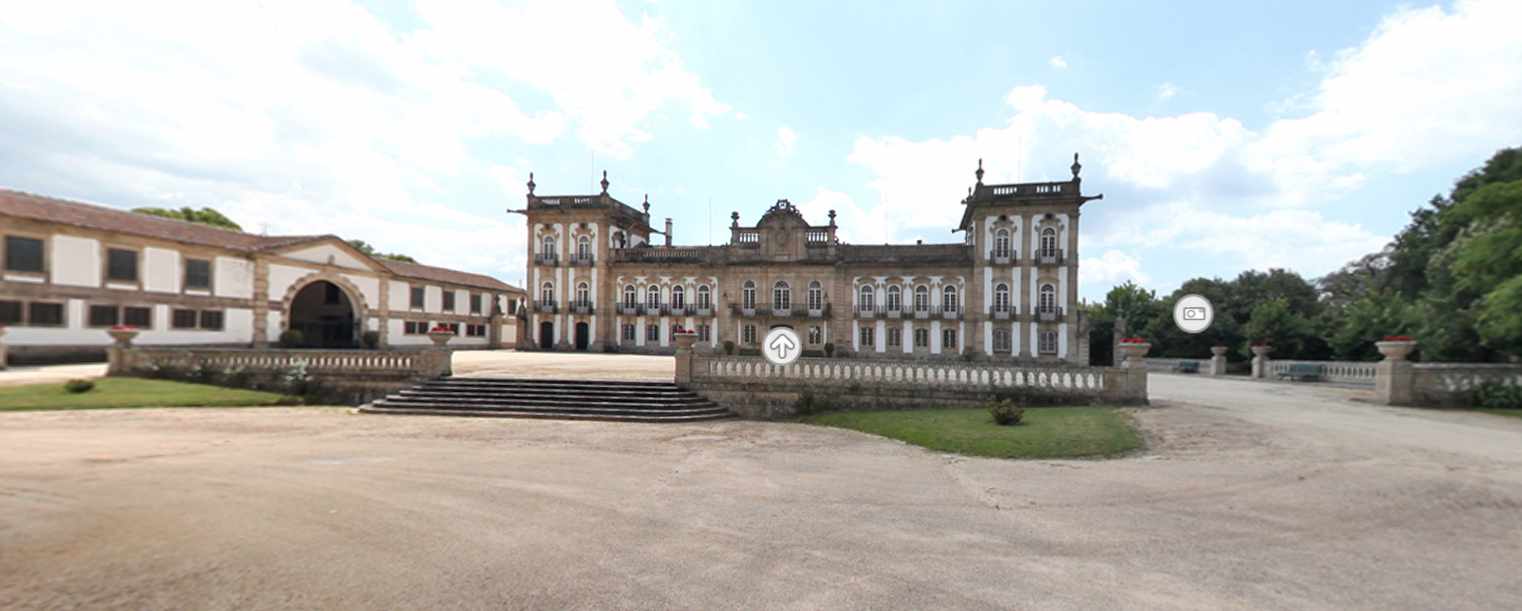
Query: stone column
pixel 262 304
pixel 1260 360
pixel 1136 369
pixel 1118 334
pixel 1394 376
pixel 3 361
pixel 684 341
pixel 1218 361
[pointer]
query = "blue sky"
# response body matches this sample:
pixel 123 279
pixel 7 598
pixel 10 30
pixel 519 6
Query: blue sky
pixel 1224 137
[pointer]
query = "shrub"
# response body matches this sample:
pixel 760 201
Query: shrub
pixel 79 386
pixel 1496 396
pixel 729 347
pixel 1028 396
pixel 370 338
pixel 292 338
pixel 1004 411
pixel 202 374
pixel 829 349
pixel 810 403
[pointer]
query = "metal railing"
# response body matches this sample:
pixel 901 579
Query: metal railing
pixel 583 260
pixel 793 310
pixel 544 306
pixel 1049 314
pixel 549 260
pixel 1049 256
pixel 581 307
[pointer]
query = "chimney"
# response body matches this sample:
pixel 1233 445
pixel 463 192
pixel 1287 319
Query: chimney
pixel 668 231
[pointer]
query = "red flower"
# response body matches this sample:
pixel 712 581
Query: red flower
pixel 443 329
pixel 1219 346
pixel 1133 340
pixel 1398 338
pixel 1260 345
pixel 123 328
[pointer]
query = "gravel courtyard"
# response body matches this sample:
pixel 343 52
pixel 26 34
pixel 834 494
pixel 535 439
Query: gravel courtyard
pixel 1253 495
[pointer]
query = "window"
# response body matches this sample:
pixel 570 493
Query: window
pixel 547 250
pixel 512 307
pixel 1048 301
pixel 921 298
pixel 10 312
pixel 705 297
pixel 895 337
pixel 547 293
pixel 868 337
pixel 867 297
pixel 448 300
pixel 1001 243
pixel 121 265
pixel 453 327
pixel 1049 241
pixel 103 315
pixel 629 332
pixel 921 338
pixel 674 329
pixel 211 320
pixel 782 295
pixel 183 319
pixel 748 296
pixel 414 327
pixel 584 248
pixel 816 296
pixel 748 334
pixel 197 274
pixel 895 298
pixel 23 254
pixel 583 294
pixel 815 336
pixel 948 339
pixel 1001 298
pixel 475 303
pixel 1001 340
pixel 630 297
pixel 418 295
pixel 705 333
pixel 949 298
pixel 1048 342
pixel 678 297
pixel 475 330
pixel 46 314
pixel 652 333
pixel 141 318
pixel 653 296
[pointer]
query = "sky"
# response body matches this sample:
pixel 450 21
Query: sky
pixel 1223 136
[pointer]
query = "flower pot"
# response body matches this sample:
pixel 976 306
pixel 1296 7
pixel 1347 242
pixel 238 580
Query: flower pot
pixel 440 337
pixel 123 337
pixel 1218 350
pixel 1262 350
pixel 1134 352
pixel 1395 351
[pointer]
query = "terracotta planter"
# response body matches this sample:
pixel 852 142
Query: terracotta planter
pixel 1134 352
pixel 123 337
pixel 1395 351
pixel 440 337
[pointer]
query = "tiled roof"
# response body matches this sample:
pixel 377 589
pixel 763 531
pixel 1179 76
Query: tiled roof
pixel 19 204
pixel 439 274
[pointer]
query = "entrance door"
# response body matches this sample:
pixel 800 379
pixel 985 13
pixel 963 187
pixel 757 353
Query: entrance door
pixel 582 336
pixel 546 335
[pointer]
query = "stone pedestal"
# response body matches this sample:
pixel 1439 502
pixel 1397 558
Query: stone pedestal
pixel 1135 368
pixel 684 341
pixel 3 361
pixel 1260 361
pixel 1394 379
pixel 1218 360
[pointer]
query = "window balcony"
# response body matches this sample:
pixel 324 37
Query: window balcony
pixel 581 307
pixel 867 311
pixel 547 259
pixel 674 310
pixel 791 310
pixel 543 306
pixel 950 312
pixel 1049 314
pixel 583 260
pixel 1049 257
pixel 630 309
pixel 894 312
pixel 1004 313
pixel 1004 257
pixel 922 312
pixel 703 309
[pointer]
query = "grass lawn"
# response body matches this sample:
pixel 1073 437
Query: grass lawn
pixel 129 392
pixel 1513 412
pixel 1048 432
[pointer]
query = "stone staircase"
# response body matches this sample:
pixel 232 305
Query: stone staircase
pixel 567 399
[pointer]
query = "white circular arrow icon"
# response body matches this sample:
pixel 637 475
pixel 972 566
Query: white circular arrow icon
pixel 781 346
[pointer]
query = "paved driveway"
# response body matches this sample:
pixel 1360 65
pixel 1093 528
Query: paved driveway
pixel 1254 496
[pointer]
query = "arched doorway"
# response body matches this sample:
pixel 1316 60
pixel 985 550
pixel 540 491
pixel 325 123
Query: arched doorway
pixel 325 316
pixel 582 336
pixel 546 335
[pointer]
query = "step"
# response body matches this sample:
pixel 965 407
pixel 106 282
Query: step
pixel 615 411
pixel 574 399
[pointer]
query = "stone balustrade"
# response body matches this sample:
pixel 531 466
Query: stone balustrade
pixel 355 375
pixel 1348 372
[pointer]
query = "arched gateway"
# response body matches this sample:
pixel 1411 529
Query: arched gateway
pixel 325 315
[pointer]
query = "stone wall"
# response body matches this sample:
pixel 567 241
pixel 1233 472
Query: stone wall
pixel 336 376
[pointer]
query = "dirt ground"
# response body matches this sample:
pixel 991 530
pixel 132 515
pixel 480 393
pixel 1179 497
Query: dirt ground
pixel 1254 495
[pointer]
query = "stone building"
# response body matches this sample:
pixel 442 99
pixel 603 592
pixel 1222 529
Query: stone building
pixel 72 270
pixel 1009 291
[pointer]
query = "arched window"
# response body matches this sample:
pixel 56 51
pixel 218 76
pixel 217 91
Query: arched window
pixel 631 297
pixel 867 298
pixel 748 295
pixel 582 294
pixel 705 297
pixel 921 298
pixel 548 247
pixel 816 296
pixel 547 293
pixel 653 296
pixel 1001 243
pixel 949 298
pixel 584 248
pixel 1001 298
pixel 678 296
pixel 782 295
pixel 895 298
pixel 1049 241
pixel 1048 301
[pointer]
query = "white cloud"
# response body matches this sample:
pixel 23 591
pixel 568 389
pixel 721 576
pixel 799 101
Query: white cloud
pixel 855 225
pixel 785 140
pixel 1115 267
pixel 1058 63
pixel 1166 90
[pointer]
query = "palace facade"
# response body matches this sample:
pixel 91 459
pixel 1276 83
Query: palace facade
pixel 1009 291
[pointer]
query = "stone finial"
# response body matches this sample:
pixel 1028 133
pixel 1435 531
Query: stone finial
pixel 735 216
pixel 980 171
pixel 1076 166
pixel 647 197
pixel 604 182
pixel 530 183
pixel 832 218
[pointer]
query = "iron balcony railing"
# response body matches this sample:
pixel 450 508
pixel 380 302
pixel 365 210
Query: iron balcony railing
pixel 545 306
pixel 1052 256
pixel 1004 257
pixel 581 307
pixel 792 310
pixel 1049 314
pixel 547 259
pixel 583 260
pixel 1003 312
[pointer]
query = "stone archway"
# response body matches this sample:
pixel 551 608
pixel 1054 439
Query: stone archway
pixel 326 316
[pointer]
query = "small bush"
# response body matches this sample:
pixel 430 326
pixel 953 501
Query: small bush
pixel 1030 396
pixel 729 347
pixel 292 338
pixel 1496 396
pixel 810 403
pixel 829 349
pixel 1004 411
pixel 79 386
pixel 370 338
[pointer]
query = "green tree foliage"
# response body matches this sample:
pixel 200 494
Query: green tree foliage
pixel 370 250
pixel 204 216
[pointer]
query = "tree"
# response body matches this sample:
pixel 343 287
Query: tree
pixel 370 250
pixel 1276 323
pixel 204 216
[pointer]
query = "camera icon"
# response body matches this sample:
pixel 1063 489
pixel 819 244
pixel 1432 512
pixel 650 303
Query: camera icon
pixel 1194 313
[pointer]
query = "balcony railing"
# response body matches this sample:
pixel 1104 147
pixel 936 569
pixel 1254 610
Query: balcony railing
pixel 1052 256
pixel 631 309
pixel 869 311
pixel 1049 314
pixel 581 307
pixel 543 306
pixel 583 260
pixel 1003 313
pixel 549 260
pixel 1004 257
pixel 893 311
pixel 702 309
pixel 671 309
pixel 950 311
pixel 793 310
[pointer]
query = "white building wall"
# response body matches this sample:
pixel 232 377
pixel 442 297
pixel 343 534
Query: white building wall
pixel 75 261
pixel 161 270
pixel 282 278
pixel 369 286
pixel 433 299
pixel 401 296
pixel 233 277
pixel 328 254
